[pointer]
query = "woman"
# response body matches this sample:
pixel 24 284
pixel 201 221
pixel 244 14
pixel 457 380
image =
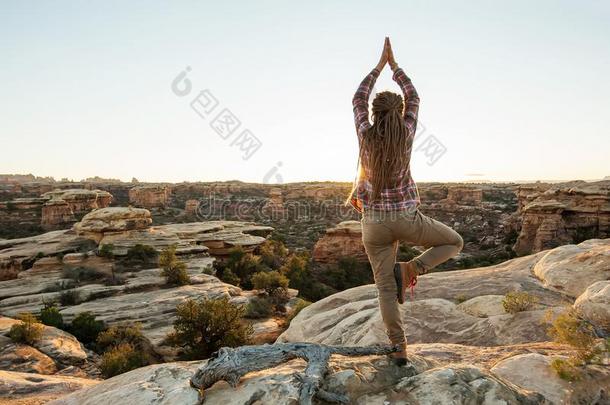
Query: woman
pixel 387 197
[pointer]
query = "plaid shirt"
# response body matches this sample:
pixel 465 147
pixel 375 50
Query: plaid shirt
pixel 403 194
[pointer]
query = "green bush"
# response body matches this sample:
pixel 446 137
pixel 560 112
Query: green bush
pixel 120 359
pixel 566 370
pixel 227 276
pixel 28 331
pixel 50 315
pixel 174 270
pixel 243 265
pixel 273 254
pixel 298 307
pixel 461 298
pixel 69 297
pixel 301 278
pixel 272 282
pixel 122 333
pixel 259 307
pixel 203 327
pixel 346 273
pixel 516 301
pixel 568 328
pixel 86 328
pixel 141 254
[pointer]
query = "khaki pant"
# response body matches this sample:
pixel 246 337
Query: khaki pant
pixel 381 233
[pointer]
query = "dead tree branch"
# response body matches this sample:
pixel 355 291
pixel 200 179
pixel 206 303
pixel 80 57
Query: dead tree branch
pixel 231 364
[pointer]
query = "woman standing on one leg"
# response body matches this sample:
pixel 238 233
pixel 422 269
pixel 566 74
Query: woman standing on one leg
pixel 387 196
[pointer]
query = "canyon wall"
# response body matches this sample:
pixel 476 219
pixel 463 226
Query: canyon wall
pixel 560 214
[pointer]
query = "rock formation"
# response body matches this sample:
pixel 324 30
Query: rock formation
pixel 65 207
pixel 561 214
pixel 112 220
pixel 191 206
pixel 57 209
pixel 465 195
pixel 464 348
pixel 149 196
pixel 343 240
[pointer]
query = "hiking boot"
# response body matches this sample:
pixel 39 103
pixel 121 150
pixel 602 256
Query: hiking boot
pixel 400 357
pixel 405 274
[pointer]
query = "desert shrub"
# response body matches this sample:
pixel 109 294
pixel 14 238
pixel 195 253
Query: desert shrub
pixel 141 254
pixel 259 307
pixel 565 369
pixel 301 278
pixel 120 359
pixel 568 328
pixel 107 251
pixel 209 270
pixel 272 282
pixel 29 330
pixel 174 270
pixel 123 333
pixel 518 301
pixel 69 297
pixel 204 326
pixel 461 298
pixel 346 273
pixel 300 305
pixel 227 276
pixel 243 265
pixel 272 253
pixel 82 274
pixel 50 315
pixel 86 328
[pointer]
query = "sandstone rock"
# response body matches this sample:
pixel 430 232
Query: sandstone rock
pixel 38 388
pixel 560 214
pixel 572 268
pixel 65 207
pixel 149 196
pixel 55 343
pixel 483 306
pixel 594 304
pixel 461 385
pixel 365 380
pixel 26 359
pixel 352 317
pixel 191 207
pixel 215 237
pixel 19 254
pixel 112 219
pixel 344 240
pixel 155 309
pixel 465 195
pixel 533 372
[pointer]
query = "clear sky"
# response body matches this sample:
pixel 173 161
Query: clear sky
pixel 510 89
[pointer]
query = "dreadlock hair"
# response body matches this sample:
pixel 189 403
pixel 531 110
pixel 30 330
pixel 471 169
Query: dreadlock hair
pixel 383 150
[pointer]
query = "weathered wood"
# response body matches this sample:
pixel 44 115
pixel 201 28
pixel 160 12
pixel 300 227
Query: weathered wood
pixel 230 365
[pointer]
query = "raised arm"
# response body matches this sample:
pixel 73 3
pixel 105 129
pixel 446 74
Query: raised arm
pixel 409 93
pixel 361 98
pixel 361 101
